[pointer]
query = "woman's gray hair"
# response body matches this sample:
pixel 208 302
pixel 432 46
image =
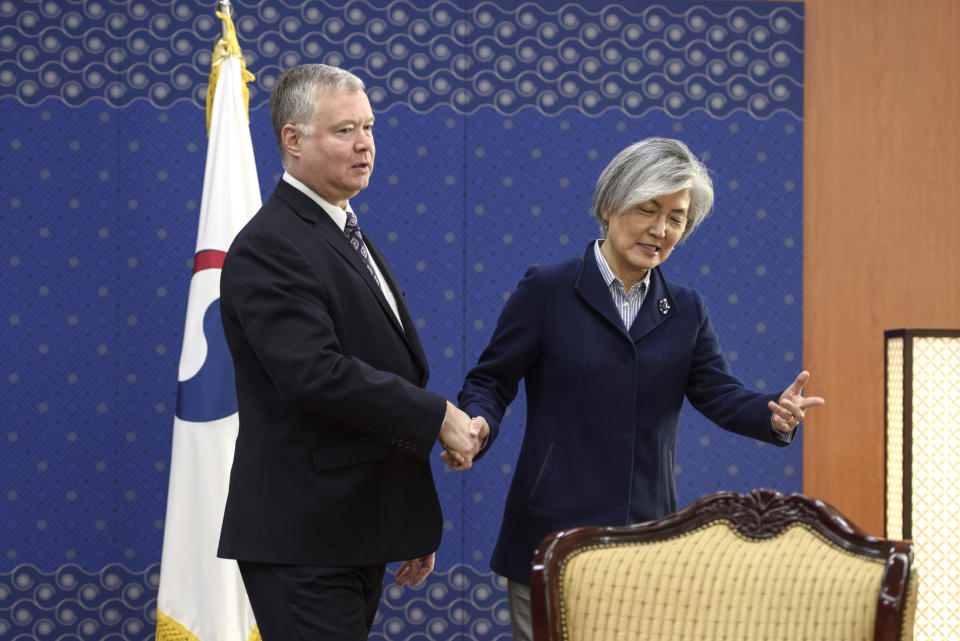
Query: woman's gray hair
pixel 647 170
pixel 293 100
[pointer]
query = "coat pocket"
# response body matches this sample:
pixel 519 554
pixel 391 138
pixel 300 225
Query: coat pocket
pixel 540 490
pixel 337 456
pixel 671 481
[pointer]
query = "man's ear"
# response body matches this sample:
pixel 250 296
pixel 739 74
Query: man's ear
pixel 291 138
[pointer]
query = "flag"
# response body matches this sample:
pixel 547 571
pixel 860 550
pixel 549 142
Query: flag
pixel 201 597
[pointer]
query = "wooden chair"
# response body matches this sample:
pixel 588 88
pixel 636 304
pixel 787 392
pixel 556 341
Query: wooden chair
pixel 736 567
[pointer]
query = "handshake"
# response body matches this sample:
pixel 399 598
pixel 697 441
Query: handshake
pixel 461 437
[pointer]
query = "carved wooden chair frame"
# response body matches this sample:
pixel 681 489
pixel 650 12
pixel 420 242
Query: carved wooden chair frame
pixel 760 514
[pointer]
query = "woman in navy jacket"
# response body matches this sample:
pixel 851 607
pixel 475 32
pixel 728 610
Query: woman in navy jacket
pixel 608 349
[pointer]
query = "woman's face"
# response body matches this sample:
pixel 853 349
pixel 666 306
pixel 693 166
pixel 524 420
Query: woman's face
pixel 643 236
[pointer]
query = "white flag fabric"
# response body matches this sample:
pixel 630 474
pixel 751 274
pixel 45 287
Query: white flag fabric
pixel 201 597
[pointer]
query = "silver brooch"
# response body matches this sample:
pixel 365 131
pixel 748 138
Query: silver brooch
pixel 664 306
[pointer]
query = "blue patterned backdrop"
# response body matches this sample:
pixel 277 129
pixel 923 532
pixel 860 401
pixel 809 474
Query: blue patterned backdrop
pixel 493 123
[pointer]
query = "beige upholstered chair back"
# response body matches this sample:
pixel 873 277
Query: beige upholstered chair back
pixel 749 567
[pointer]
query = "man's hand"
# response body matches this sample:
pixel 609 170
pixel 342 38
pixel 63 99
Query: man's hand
pixel 459 437
pixel 479 429
pixel 415 571
pixel 789 411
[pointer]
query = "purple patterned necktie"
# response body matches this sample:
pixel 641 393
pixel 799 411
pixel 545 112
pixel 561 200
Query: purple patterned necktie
pixel 353 235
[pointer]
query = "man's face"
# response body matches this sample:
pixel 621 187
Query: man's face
pixel 336 160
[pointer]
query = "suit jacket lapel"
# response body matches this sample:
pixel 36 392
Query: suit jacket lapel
pixel 408 331
pixel 306 208
pixel 341 244
pixel 657 307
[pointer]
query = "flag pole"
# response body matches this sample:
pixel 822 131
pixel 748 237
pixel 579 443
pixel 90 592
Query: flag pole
pixel 226 9
pixel 201 597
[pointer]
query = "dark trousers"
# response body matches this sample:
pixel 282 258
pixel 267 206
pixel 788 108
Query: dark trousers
pixel 312 603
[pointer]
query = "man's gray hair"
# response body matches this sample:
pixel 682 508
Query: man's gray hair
pixel 293 100
pixel 647 170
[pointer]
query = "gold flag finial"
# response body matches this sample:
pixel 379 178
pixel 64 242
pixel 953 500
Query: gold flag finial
pixel 226 47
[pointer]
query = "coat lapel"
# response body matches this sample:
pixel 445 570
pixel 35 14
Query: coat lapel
pixel 594 292
pixel 657 307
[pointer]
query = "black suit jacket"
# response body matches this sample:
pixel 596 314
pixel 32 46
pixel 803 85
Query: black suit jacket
pixel 331 463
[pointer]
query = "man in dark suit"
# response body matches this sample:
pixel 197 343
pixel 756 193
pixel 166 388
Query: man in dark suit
pixel 331 477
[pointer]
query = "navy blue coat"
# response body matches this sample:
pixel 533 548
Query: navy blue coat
pixel 331 465
pixel 602 402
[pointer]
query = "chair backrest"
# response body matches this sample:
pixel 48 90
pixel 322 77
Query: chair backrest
pixel 749 567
